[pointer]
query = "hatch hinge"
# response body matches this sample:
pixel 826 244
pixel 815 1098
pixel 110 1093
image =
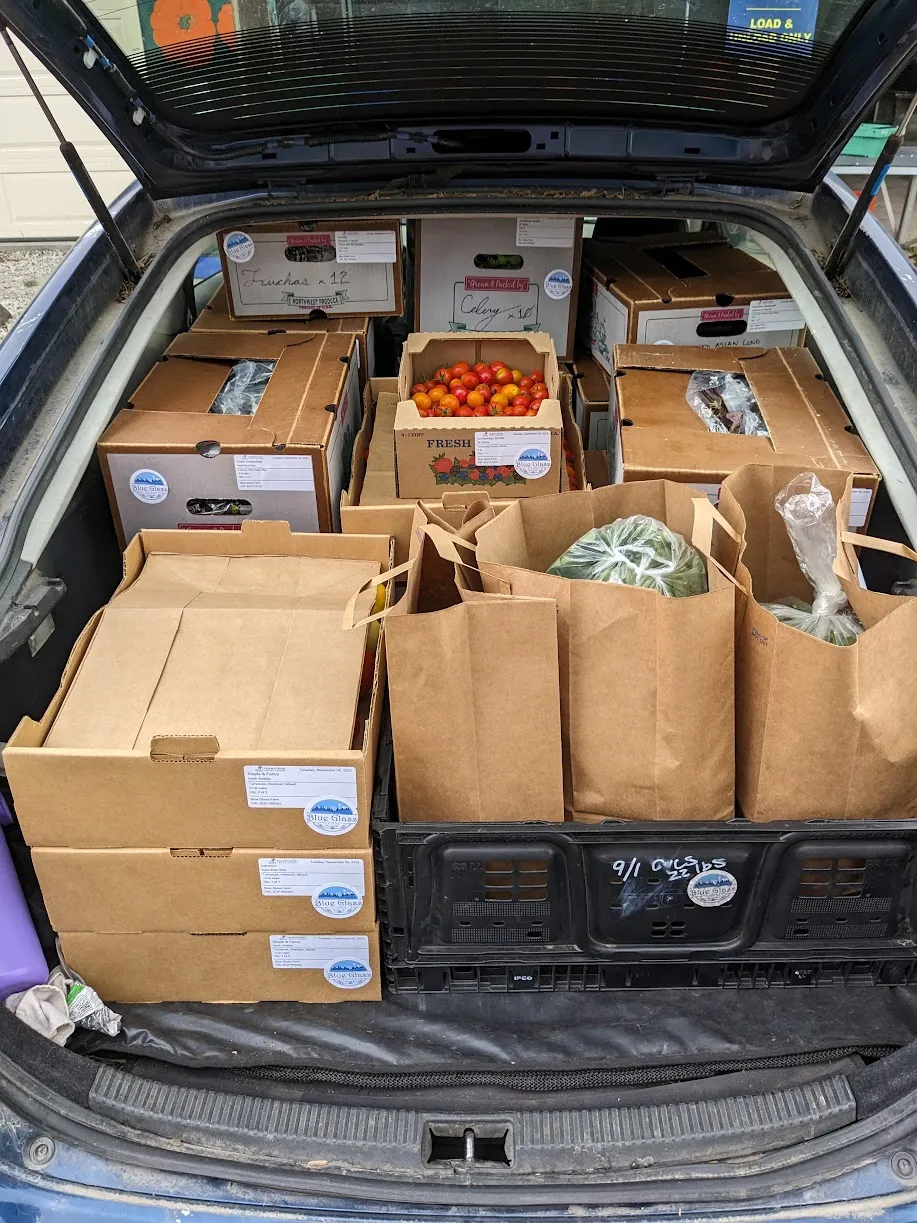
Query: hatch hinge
pixel 125 255
pixel 29 610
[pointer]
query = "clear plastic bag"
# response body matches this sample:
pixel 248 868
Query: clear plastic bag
pixel 241 393
pixel 807 508
pixel 725 403
pixel 635 551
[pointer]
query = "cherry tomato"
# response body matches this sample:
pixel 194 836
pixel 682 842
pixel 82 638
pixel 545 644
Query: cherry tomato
pixel 449 403
pixel 503 375
pixel 480 366
pixel 437 393
pixel 482 412
pixel 487 376
pixel 532 412
pixel 443 374
pixel 522 401
pixel 517 374
pixel 423 401
pixel 463 412
pixel 483 389
pixel 537 376
pixel 475 399
pixel 454 382
pixel 499 400
pixel 470 380
pixel 525 384
pixel 461 394
pixel 419 388
pixel 516 412
pixel 460 367
pixel 510 390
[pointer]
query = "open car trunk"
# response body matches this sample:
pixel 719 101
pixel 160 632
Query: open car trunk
pixel 516 1082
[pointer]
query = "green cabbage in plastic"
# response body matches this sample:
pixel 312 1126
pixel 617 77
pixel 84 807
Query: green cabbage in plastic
pixel 635 551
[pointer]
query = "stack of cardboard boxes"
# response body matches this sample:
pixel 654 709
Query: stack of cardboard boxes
pixel 197 794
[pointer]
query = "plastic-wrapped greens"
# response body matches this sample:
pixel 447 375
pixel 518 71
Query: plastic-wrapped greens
pixel 635 551
pixel 807 508
pixel 241 393
pixel 725 403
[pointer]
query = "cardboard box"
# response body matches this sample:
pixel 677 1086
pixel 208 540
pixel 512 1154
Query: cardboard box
pixel 286 966
pixel 483 673
pixel 665 439
pixel 823 732
pixel 285 269
pixel 168 461
pixel 498 274
pixel 596 468
pixel 370 506
pixel 513 456
pixel 206 891
pixel 213 702
pixel 685 289
pixel 591 394
pixel 216 316
pixel 646 681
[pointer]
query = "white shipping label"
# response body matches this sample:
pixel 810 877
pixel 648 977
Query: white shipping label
pixel 274 473
pixel 344 959
pixel 365 245
pixel 860 500
pixel 545 231
pixel 312 877
pixel 526 450
pixel 782 315
pixel 326 795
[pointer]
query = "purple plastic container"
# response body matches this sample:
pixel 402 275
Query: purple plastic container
pixel 22 961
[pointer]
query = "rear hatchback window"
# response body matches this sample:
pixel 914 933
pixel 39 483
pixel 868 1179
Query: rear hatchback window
pixel 286 64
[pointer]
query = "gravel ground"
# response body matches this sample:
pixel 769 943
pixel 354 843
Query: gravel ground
pixel 23 270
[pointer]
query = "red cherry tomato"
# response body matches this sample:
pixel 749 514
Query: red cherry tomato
pixel 463 412
pixel 503 375
pixel 461 394
pixel 487 376
pixel 470 380
pixel 537 376
pixel 460 367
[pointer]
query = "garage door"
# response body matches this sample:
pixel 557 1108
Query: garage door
pixel 38 196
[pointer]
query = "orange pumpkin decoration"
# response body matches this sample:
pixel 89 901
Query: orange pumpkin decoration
pixel 226 25
pixel 177 24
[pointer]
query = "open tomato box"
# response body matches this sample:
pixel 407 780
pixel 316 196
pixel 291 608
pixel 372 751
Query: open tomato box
pixel 517 456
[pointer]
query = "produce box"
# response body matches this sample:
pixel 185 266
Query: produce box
pixel 289 269
pixel 285 966
pixel 371 506
pixel 216 316
pixel 658 435
pixel 591 393
pixel 518 453
pixel 646 680
pixel 176 457
pixel 209 891
pixel 682 289
pixel 498 274
pixel 222 655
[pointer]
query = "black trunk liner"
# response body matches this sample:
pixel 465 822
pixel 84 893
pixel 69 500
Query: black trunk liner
pixel 544 1033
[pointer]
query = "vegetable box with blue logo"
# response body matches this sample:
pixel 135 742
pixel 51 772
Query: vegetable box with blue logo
pixel 494 400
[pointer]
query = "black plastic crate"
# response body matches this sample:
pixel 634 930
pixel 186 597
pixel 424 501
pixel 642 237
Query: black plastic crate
pixel 498 907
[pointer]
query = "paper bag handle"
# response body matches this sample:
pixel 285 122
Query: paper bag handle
pixel 705 515
pixel 880 545
pixel 388 576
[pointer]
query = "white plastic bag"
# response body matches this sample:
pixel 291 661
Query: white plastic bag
pixel 725 403
pixel 808 510
pixel 241 393
pixel 635 551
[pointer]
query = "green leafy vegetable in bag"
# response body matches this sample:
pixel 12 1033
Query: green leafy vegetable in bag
pixel 635 551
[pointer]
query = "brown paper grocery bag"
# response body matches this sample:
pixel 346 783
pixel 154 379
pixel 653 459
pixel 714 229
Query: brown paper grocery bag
pixel 474 691
pixel 646 681
pixel 822 731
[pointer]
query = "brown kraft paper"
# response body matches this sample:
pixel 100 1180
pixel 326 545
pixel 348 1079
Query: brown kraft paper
pixel 822 731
